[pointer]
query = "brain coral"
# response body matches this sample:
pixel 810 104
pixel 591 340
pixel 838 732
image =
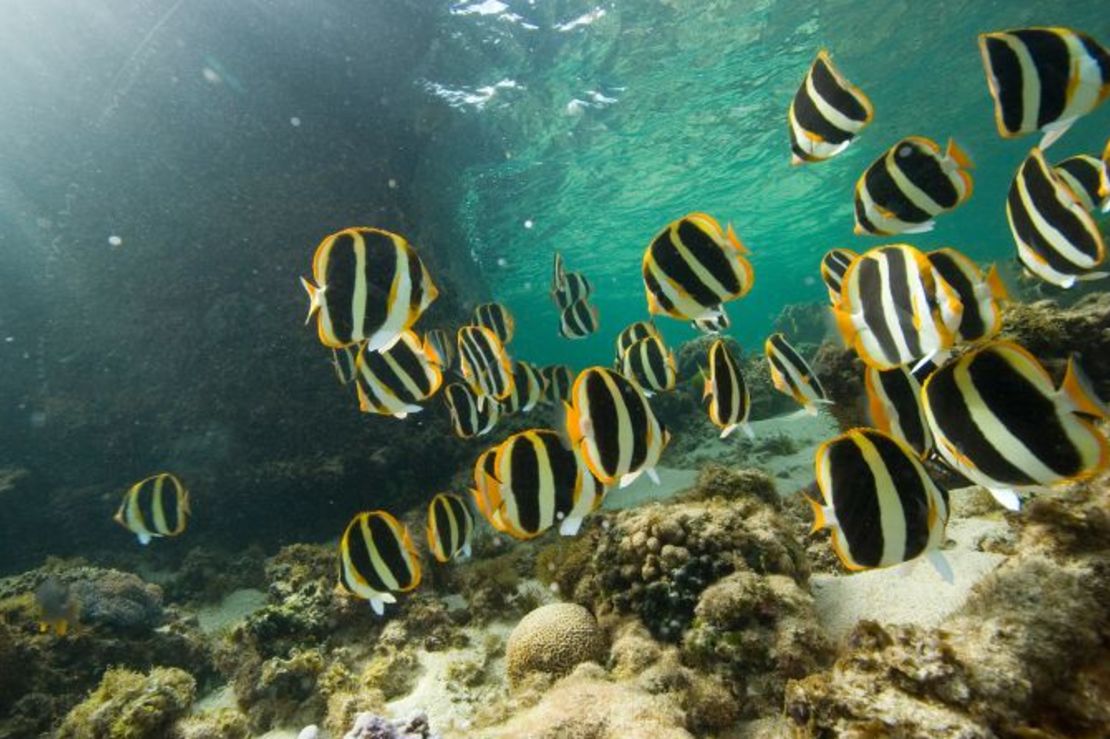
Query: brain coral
pixel 552 639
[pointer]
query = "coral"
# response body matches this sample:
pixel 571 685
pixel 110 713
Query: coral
pixel 370 726
pixel 841 373
pixel 724 482
pixel 565 563
pixel 553 639
pixel 392 672
pixel 281 689
pixel 118 600
pixel 130 705
pixel 344 707
pixel 225 723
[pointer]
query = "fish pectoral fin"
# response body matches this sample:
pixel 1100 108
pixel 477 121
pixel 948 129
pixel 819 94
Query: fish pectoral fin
pixel 1006 498
pixel 921 228
pixel 629 478
pixel 942 566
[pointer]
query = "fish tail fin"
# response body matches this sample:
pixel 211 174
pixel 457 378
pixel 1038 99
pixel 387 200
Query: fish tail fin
pixel 314 298
pixel 958 155
pixel 822 515
pixel 1079 392
pixel 995 285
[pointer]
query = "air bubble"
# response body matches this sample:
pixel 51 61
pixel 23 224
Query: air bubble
pixel 114 240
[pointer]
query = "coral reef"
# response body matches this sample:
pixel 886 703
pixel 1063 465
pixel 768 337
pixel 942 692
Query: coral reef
pixel 130 705
pixel 803 323
pixel 224 723
pixel 370 726
pixel 841 374
pixel 553 639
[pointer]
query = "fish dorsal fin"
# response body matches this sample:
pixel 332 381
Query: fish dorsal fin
pixel 958 155
pixel 735 241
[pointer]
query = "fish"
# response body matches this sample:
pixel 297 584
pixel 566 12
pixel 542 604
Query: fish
pixel 57 607
pixel 377 559
pixel 575 287
pixel 441 349
pixel 894 400
pixel 632 333
pixel 368 285
pixel 558 275
pixel 999 420
pixel 486 492
pixel 611 424
pixel 912 183
pixel 1056 238
pixel 979 294
pixel 826 114
pixel 485 363
pixel 833 266
pixel 450 525
pixel 343 361
pixel 1043 79
pixel 557 379
pixel 1104 178
pixel 393 381
pixel 792 376
pixel 881 505
pixel 895 308
pixel 497 319
pixel 578 320
pixel 541 481
pixel 693 266
pixel 1084 174
pixel 469 418
pixel 712 323
pixel 155 506
pixel 727 393
pixel 528 387
pixel 650 365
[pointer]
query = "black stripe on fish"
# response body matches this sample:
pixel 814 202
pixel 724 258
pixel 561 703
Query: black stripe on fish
pixel 864 222
pixel 710 255
pixel 871 288
pixel 899 276
pixel 809 117
pixel 391 551
pixel 836 95
pixel 1082 173
pixel 1005 66
pixel 525 482
pixel 380 272
pixel 902 391
pixel 1052 60
pixel 564 468
pixel 656 290
pixel 909 487
pixel 886 194
pixel 800 365
pixel 340 277
pixel 1041 192
pixel 922 167
pixel 358 553
pixel 972 325
pixel 604 419
pixel 443 530
pixel 415 275
pixel 671 262
pixel 855 499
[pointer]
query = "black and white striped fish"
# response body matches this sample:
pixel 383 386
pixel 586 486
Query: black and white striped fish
pixel 155 506
pixel 833 266
pixel 558 275
pixel 527 390
pixel 393 381
pixel 905 189
pixel 486 493
pixel 1000 421
pixel 632 333
pixel 343 361
pixel 1043 79
pixel 370 285
pixel 497 319
pixel 880 503
pixel 470 418
pixel 437 340
pixel 1084 175
pixel 979 294
pixel 693 266
pixel 485 363
pixel 449 527
pixel 542 481
pixel 575 287
pixel 612 426
pixel 727 393
pixel 894 400
pixel 792 376
pixel 712 323
pixel 1057 240
pixel 557 381
pixel 650 365
pixel 377 559
pixel 578 320
pixel 826 113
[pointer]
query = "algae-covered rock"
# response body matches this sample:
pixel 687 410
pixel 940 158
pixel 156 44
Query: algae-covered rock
pixel 130 705
pixel 553 639
pixel 225 723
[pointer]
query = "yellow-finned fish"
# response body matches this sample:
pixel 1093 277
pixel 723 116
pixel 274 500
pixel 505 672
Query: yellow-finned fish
pixel 894 400
pixel 391 382
pixel 1084 174
pixel 485 363
pixel 377 559
pixel 155 506
pixel 557 381
pixel 450 525
pixel 558 275
pixel 826 114
pixel 833 266
pixel 727 393
pixel 575 287
pixel 632 333
pixel 791 375
pixel 497 319
pixel 487 490
pixel 528 387
pixel 58 609
pixel 979 294
pixel 469 417
pixel 650 365
pixel 712 323
pixel 370 285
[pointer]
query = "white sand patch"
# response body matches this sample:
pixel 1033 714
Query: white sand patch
pixel 235 606
pixel 642 491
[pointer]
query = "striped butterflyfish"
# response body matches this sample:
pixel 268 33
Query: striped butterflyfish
pixel 611 424
pixel 1043 79
pixel 826 113
pixel 792 376
pixel 557 381
pixel 469 418
pixel 496 318
pixel 632 333
pixel 650 365
pixel 155 506
pixel 449 527
pixel 558 274
pixel 712 323
pixel 727 393
pixel 343 361
pixel 692 266
pixel 541 482
pixel 895 308
pixel 833 266
pixel 377 559
pixel 575 287
pixel 999 420
pixel 485 364
pixel 979 294
pixel 913 182
pixel 1104 178
pixel 392 381
pixel 437 340
pixel 1057 240
pixel 894 400
pixel 527 389
pixel 1084 173
pixel 880 503
pixel 578 320
pixel 368 285
pixel 486 491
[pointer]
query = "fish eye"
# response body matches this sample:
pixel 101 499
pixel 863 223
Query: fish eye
pixel 905 151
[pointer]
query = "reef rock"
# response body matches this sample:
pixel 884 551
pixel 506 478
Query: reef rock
pixel 371 726
pixel 130 705
pixel 118 600
pixel 841 373
pixel 553 639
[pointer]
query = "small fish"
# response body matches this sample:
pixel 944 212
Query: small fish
pixel 57 608
pixel 558 275
pixel 370 285
pixel 1084 175
pixel 391 382
pixel 1057 240
pixel 833 266
pixel 894 399
pixel 611 424
pixel 497 319
pixel 727 393
pixel 650 365
pixel 880 503
pixel 792 376
pixel 826 113
pixel 895 308
pixel 541 481
pixel 905 189
pixel 486 492
pixel 441 349
pixel 1000 421
pixel 575 287
pixel 1043 79
pixel 470 418
pixel 557 379
pixel 712 323
pixel 155 506
pixel 528 387
pixel 632 333
pixel 578 320
pixel 485 364
pixel 377 559
pixel 450 525
pixel 692 266
pixel 979 294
